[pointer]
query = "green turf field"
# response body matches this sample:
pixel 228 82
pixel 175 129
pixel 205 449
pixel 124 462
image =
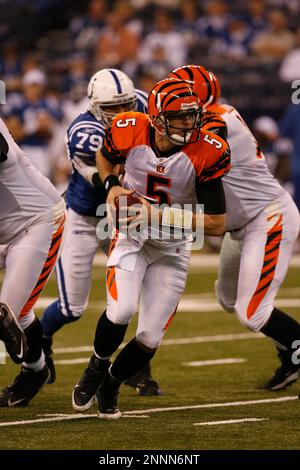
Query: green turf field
pixel 178 419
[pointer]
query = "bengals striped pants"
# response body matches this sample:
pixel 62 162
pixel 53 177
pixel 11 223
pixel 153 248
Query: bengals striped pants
pixel 254 262
pixel 28 261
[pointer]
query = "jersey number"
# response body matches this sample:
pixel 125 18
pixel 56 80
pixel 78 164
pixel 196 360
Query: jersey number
pixel 216 143
pixel 93 139
pixel 3 148
pixel 152 182
pixel 126 122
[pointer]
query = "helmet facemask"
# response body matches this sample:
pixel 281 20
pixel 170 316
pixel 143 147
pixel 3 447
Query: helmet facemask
pixel 181 135
pixel 105 111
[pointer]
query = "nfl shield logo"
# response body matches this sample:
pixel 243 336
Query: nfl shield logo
pixel 160 169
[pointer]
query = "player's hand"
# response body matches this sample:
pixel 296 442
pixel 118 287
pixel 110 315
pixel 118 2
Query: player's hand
pixel 147 215
pixel 86 171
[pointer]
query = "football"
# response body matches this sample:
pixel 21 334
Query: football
pixel 122 202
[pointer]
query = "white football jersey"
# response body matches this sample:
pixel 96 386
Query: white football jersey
pixel 25 194
pixel 249 186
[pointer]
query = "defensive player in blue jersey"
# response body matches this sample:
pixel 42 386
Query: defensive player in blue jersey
pixel 110 91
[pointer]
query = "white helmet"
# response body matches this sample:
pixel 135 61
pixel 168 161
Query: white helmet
pixel 107 88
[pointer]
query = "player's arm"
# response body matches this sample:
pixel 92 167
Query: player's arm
pixel 108 162
pixel 213 122
pixel 211 195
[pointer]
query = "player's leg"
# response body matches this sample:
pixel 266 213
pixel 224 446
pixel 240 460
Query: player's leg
pixel 73 273
pixel 12 334
pixel 29 262
pixel 228 272
pixel 123 286
pixel 266 253
pixel 162 287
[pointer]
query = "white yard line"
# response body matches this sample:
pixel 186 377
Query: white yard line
pixel 175 341
pixel 144 413
pixel 197 261
pixel 229 421
pixel 214 362
pixel 189 303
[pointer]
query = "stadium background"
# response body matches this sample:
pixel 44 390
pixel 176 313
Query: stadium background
pixel 254 49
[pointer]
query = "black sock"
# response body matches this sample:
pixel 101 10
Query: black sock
pixel 34 335
pixel 131 359
pixel 108 336
pixel 282 328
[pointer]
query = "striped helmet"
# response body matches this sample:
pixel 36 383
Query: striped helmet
pixel 204 82
pixel 175 99
pixel 108 88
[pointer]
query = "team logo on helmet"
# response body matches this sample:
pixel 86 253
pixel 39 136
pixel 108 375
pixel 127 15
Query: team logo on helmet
pixel 172 99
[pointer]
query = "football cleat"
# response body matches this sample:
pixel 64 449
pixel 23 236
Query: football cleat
pixel 47 343
pixel 83 395
pixel 26 385
pixel 107 397
pixel 148 387
pixel 143 382
pixel 286 374
pixel 12 335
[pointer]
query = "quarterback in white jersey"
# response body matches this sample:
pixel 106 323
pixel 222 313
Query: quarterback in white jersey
pixel 32 217
pixel 110 91
pixel 167 158
pixel 262 226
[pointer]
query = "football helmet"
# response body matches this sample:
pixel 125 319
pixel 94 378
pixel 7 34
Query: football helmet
pixel 108 88
pixel 172 99
pixel 204 82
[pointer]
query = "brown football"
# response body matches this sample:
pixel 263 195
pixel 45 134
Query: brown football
pixel 122 202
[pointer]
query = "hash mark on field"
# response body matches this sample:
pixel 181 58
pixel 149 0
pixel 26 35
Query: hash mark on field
pixel 214 362
pixel 229 421
pixel 138 413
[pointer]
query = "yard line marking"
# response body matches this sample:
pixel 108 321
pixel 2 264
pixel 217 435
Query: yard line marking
pixel 135 413
pixel 79 360
pixel 191 304
pixel 229 421
pixel 175 341
pixel 200 261
pixel 215 405
pixel 214 362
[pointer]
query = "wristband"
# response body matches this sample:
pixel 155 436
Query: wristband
pixel 177 218
pixel 110 181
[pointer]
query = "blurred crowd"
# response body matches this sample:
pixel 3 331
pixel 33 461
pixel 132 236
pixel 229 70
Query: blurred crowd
pixel 50 48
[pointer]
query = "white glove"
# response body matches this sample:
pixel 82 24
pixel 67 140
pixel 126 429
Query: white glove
pixel 86 171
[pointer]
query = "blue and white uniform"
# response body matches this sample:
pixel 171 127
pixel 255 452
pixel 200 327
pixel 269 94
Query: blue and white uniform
pixel 74 269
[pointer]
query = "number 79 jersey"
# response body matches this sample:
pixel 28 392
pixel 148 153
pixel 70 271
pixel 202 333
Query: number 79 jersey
pixel 171 179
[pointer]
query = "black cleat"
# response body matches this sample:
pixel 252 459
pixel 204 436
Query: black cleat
pixel 26 385
pixel 148 387
pixel 47 348
pixel 143 382
pixel 286 374
pixel 107 396
pixel 83 395
pixel 12 335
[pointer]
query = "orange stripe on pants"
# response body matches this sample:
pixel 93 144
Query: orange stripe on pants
pixel 47 268
pixel 272 249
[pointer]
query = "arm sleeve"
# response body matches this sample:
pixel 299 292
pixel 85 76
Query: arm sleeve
pixel 110 151
pixel 212 195
pixel 215 124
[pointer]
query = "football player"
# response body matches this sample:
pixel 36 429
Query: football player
pixel 262 226
pixel 169 159
pixel 32 217
pixel 110 91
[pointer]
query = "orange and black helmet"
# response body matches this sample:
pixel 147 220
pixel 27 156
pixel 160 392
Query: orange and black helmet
pixel 173 98
pixel 204 82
